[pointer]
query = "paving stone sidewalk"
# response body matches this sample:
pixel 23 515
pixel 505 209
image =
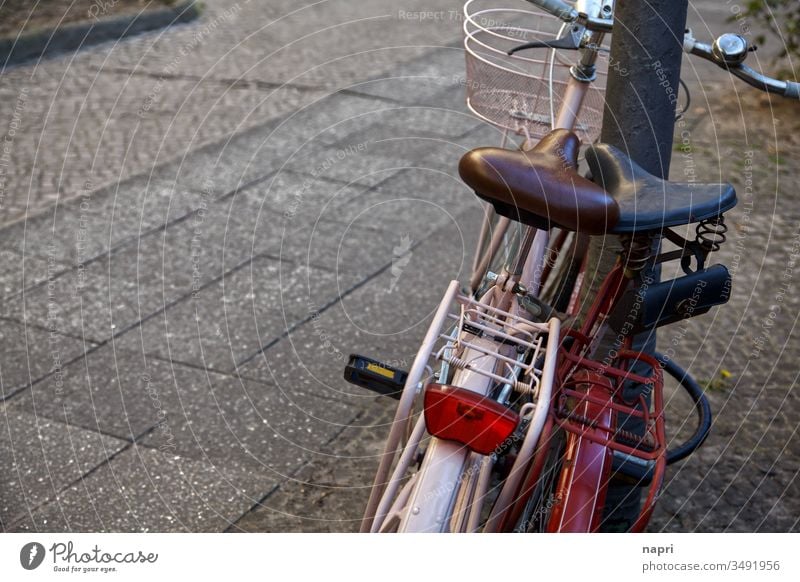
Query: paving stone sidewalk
pixel 173 336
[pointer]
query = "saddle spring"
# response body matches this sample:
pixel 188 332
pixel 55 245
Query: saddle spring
pixel 711 234
pixel 637 252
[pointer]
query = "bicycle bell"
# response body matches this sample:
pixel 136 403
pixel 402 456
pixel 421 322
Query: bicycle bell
pixel 730 49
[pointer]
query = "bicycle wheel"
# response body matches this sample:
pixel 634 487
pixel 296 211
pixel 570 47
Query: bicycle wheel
pixel 539 493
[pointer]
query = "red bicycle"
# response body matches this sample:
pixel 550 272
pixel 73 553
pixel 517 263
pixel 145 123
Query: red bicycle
pixel 607 411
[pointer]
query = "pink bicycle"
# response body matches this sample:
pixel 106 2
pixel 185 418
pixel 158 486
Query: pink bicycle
pixel 507 421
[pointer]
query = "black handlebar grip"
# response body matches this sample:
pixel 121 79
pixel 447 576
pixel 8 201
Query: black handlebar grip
pixel 792 90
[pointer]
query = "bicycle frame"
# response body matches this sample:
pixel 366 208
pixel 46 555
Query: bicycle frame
pixel 447 491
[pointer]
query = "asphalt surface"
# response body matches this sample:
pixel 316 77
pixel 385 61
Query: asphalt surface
pixel 203 222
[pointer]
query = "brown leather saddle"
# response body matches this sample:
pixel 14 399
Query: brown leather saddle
pixel 542 188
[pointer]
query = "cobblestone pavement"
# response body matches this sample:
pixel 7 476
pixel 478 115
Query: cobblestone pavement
pixel 245 200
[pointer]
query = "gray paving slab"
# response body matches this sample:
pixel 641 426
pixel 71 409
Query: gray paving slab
pixel 420 120
pixel 303 197
pixel 106 391
pixel 330 493
pixel 287 42
pixel 28 354
pixel 143 276
pixel 367 159
pixel 339 247
pixel 41 457
pixel 415 80
pixel 242 425
pixel 231 320
pixel 18 271
pixel 34 37
pixel 414 203
pixel 291 217
pixel 378 320
pixel 325 121
pixel 83 228
pixel 426 186
pixel 292 141
pixel 189 411
pixel 116 291
pixel 220 168
pixel 119 109
pixel 408 217
pixel 343 137
pixel 145 490
pixel 154 121
pixel 436 185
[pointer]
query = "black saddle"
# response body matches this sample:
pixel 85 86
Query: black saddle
pixel 650 203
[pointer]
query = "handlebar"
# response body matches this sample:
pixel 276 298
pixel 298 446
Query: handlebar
pixel 567 13
pixel 729 52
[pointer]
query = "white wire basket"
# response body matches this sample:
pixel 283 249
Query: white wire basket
pixel 523 93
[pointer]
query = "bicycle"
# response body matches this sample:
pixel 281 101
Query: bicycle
pixel 523 419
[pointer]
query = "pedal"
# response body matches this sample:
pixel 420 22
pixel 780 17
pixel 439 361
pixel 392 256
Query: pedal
pixel 375 376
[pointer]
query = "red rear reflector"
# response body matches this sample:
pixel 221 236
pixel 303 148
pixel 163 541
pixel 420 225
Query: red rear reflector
pixel 457 414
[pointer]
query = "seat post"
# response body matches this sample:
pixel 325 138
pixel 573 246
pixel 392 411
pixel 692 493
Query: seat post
pixel 639 119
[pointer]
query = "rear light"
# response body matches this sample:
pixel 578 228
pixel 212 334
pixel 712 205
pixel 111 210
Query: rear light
pixel 457 414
